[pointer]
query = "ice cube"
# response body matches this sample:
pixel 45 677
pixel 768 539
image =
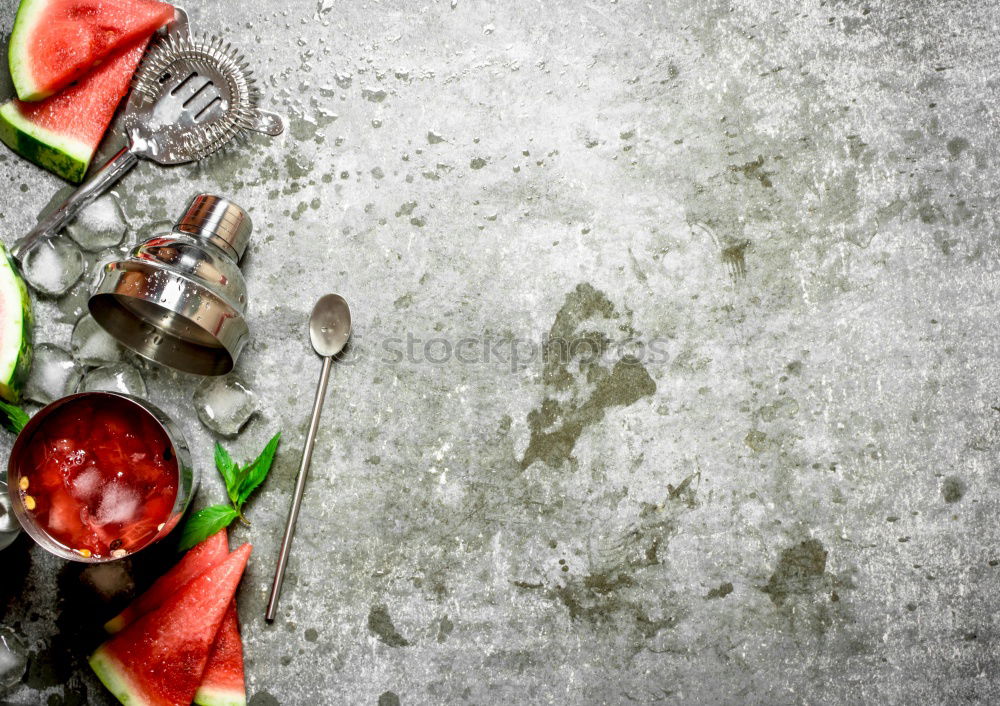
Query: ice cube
pixel 118 505
pixel 109 580
pixel 54 374
pixel 52 265
pixel 13 658
pixel 224 404
pixel 100 225
pixel 117 377
pixel 92 345
pixel 86 483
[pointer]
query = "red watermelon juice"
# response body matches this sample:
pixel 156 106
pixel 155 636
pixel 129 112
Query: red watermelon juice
pixel 98 475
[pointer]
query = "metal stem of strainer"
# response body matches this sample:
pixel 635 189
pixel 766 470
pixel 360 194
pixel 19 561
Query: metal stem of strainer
pixel 191 97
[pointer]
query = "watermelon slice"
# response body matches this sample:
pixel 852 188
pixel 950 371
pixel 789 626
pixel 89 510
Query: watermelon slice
pixel 160 658
pixel 55 42
pixel 15 329
pixel 222 683
pixel 202 557
pixel 62 133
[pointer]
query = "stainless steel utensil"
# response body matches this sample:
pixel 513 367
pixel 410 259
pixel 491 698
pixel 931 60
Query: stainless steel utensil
pixel 191 97
pixel 10 528
pixel 329 329
pixel 179 298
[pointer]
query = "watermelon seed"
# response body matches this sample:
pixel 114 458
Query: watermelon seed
pixel 118 553
pixel 115 544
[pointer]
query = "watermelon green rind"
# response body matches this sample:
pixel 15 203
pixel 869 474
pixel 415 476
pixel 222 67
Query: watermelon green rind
pixel 28 15
pixel 115 678
pixel 63 155
pixel 115 624
pixel 218 696
pixel 16 332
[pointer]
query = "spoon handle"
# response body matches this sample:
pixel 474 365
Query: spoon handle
pixel 300 486
pixel 87 192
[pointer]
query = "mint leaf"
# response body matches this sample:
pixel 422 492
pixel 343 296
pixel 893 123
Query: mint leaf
pixel 204 523
pixel 255 473
pixel 16 417
pixel 229 470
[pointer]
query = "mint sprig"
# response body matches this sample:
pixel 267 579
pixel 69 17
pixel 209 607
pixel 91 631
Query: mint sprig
pixel 15 417
pixel 204 523
pixel 240 482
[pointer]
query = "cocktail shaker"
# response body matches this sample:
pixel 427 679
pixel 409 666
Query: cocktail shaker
pixel 179 298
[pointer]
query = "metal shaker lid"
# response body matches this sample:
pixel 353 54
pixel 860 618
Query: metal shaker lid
pixel 219 221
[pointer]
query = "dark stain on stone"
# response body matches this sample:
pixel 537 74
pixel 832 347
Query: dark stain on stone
pixel 734 257
pixel 625 384
pixel 557 425
pixel 602 583
pixel 445 628
pixel 754 170
pixel 406 208
pixel 957 145
pixel 380 625
pixel 720 591
pixel 952 489
pixel 569 598
pixel 566 341
pixel 528 584
pixel 388 698
pixel 311 635
pixel 799 571
pixel 649 627
pixel 263 698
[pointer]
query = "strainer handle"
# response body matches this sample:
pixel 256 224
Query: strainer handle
pixel 101 181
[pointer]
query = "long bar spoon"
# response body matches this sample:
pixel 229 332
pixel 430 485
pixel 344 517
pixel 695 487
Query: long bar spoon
pixel 329 329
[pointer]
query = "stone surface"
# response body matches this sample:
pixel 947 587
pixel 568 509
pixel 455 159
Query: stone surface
pixel 724 423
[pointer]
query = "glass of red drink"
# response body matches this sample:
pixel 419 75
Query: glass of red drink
pixel 97 476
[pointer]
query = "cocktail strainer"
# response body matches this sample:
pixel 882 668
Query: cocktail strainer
pixel 191 96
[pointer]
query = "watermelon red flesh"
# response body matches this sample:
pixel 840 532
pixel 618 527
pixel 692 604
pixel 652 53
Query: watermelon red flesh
pixel 56 42
pixel 199 559
pixel 222 683
pixel 62 133
pixel 160 658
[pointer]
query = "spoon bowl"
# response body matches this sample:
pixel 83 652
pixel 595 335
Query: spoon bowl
pixel 330 325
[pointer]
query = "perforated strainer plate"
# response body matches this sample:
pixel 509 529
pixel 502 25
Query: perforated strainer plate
pixel 192 96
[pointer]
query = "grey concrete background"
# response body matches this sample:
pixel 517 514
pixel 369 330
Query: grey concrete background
pixel 794 502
